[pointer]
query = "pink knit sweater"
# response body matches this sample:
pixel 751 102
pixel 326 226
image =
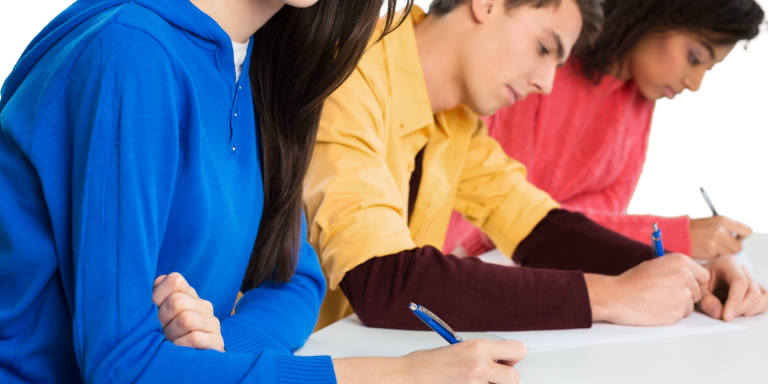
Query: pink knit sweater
pixel 584 144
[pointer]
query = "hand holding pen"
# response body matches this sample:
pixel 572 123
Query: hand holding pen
pixel 717 235
pixel 470 361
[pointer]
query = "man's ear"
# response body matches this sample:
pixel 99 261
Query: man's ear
pixel 481 9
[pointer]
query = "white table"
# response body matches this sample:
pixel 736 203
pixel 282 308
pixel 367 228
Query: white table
pixel 729 357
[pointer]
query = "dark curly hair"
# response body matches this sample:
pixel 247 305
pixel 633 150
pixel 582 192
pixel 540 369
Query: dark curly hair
pixel 719 22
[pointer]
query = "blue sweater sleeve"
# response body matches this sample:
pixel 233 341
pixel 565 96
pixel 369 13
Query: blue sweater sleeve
pixel 264 319
pixel 126 146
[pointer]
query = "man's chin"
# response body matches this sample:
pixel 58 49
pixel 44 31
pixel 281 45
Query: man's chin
pixel 487 111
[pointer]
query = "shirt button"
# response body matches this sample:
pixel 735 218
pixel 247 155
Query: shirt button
pixel 235 114
pixel 233 149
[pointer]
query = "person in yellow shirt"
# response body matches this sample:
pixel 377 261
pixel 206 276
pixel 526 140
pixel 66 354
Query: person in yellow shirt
pixel 400 145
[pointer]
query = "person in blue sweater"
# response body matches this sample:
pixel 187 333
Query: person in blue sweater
pixel 151 158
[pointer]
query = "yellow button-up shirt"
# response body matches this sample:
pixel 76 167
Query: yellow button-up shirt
pixel 357 188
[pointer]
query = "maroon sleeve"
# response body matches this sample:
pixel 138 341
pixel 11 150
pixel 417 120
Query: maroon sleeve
pixel 471 295
pixel 468 294
pixel 570 241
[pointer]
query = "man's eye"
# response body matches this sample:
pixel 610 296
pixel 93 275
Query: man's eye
pixel 693 59
pixel 543 50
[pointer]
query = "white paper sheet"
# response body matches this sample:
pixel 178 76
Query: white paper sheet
pixel 328 348
pixel 377 341
pixel 495 256
pixel 603 333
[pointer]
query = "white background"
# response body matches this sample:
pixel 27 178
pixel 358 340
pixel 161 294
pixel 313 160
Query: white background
pixel 716 138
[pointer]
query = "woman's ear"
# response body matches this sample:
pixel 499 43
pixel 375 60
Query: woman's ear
pixel 481 9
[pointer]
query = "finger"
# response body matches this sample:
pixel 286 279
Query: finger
pixel 174 282
pixel 158 280
pixel 741 229
pixel 504 374
pixel 727 244
pixel 710 304
pixel 737 288
pixel 753 295
pixel 189 321
pixel 689 307
pixel 179 302
pixel 711 251
pixel 700 273
pixel 762 306
pixel 509 351
pixel 201 340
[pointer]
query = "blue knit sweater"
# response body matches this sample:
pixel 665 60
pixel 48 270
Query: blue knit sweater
pixel 127 151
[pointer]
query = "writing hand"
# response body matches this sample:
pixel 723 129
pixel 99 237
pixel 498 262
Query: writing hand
pixel 713 236
pixel 656 292
pixel 473 361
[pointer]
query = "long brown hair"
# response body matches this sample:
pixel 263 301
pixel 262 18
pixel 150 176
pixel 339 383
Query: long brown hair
pixel 628 21
pixel 300 56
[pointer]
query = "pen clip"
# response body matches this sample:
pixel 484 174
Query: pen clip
pixel 420 308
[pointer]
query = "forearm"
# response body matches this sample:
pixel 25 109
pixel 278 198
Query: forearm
pixel 570 241
pixel 676 230
pixel 284 312
pixel 467 293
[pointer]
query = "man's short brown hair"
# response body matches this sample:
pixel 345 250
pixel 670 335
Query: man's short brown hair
pixel 591 13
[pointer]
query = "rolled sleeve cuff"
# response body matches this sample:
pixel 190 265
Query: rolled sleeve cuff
pixel 582 308
pixel 288 369
pixel 521 211
pixel 477 243
pixel 240 337
pixel 677 235
pixel 360 237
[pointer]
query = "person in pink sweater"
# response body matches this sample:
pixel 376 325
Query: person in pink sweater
pixel 585 143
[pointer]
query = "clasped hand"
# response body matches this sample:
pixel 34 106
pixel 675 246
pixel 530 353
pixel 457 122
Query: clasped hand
pixel 187 319
pixel 731 283
pixel 664 290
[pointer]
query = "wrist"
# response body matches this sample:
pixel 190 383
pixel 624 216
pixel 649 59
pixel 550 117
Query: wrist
pixel 367 370
pixel 600 288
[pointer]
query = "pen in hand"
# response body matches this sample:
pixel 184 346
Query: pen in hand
pixel 712 208
pixel 656 244
pixel 434 322
pixel 709 202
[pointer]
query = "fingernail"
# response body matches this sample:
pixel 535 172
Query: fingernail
pixel 729 316
pixel 713 311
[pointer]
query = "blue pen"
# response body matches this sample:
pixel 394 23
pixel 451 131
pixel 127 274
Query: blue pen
pixel 435 323
pixel 656 245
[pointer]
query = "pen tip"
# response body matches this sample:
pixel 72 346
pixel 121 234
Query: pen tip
pixel 655 227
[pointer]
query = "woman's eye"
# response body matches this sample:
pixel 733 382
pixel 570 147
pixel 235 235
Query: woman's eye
pixel 693 59
pixel 543 50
